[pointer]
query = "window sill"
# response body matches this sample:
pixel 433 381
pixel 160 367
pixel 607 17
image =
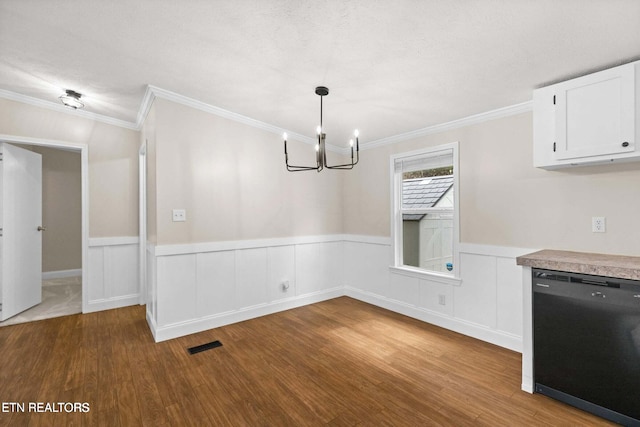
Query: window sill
pixel 425 275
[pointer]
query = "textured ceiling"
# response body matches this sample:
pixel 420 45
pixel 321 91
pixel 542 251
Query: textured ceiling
pixel 392 66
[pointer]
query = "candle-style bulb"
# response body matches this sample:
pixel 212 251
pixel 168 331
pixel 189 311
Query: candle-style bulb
pixel 284 136
pixel 319 130
pixel 356 133
pixel 351 142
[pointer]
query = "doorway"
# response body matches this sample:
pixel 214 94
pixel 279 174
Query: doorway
pixel 62 283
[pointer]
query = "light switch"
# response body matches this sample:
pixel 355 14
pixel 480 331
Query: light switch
pixel 179 215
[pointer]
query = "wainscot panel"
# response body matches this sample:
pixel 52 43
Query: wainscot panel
pixel 113 280
pixel 207 285
pixel 215 279
pixel 197 287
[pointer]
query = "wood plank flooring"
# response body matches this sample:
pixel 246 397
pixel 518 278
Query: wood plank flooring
pixel 337 363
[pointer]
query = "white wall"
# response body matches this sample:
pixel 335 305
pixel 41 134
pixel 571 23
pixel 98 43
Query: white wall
pixel 232 181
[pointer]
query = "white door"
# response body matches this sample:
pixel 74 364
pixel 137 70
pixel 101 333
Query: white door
pixel 20 223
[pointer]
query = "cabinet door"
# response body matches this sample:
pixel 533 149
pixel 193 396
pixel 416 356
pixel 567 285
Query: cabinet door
pixel 594 114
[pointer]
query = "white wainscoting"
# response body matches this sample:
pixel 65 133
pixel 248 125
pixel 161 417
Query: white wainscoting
pixel 206 285
pixel 151 298
pixel 113 274
pixel 487 304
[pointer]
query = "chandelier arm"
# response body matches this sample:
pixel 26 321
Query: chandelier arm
pixel 346 165
pixel 294 168
pixel 343 166
pixel 301 168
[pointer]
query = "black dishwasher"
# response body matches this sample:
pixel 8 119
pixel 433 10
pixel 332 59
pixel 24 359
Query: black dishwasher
pixel 586 343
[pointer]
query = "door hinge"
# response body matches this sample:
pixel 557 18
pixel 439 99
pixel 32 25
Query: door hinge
pixel 554 147
pixel 0 157
pixel 554 100
pixel 0 232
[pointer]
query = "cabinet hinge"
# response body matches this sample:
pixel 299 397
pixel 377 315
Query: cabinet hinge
pixel 554 100
pixel 0 157
pixel 554 147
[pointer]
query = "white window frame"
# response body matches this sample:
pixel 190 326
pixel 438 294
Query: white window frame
pixel 397 266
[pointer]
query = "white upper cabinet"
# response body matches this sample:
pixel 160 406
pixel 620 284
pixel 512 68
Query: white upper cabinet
pixel 588 120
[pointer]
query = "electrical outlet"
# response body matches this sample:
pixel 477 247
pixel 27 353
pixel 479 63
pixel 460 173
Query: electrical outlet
pixel 598 224
pixel 442 300
pixel 179 215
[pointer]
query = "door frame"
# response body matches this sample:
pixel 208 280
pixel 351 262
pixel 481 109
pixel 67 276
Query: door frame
pixel 83 149
pixel 142 194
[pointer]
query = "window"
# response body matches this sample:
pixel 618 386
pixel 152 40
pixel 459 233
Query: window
pixel 425 210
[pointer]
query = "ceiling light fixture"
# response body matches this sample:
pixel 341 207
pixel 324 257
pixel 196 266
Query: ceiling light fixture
pixel 72 99
pixel 321 153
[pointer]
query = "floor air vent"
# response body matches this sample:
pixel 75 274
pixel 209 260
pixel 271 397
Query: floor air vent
pixel 204 347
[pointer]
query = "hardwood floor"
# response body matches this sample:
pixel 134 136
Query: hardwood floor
pixel 339 363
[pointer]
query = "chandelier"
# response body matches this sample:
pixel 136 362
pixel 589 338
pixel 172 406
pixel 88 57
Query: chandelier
pixel 321 153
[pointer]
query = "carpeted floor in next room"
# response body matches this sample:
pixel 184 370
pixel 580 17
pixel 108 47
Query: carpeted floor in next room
pixel 60 297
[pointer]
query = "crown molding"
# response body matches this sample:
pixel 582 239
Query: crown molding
pixel 153 92
pixel 454 124
pixel 13 96
pixel 145 107
pixel 156 92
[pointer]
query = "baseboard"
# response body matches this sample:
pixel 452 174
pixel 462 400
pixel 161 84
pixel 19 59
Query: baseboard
pixel 163 333
pixel 527 385
pixel 111 303
pixel 152 324
pixel 60 274
pixel 502 339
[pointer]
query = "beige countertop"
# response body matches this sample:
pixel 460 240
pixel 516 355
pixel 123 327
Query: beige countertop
pixel 619 266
